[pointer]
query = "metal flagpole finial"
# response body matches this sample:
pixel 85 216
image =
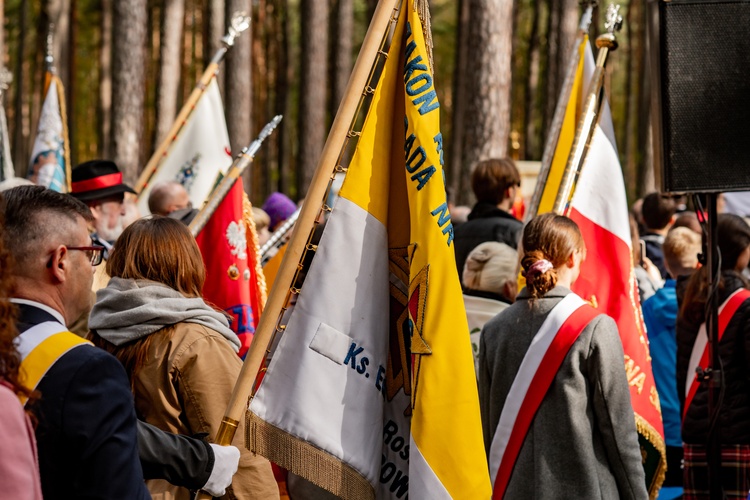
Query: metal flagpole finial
pixel 6 78
pixel 267 130
pixel 49 59
pixel 239 23
pixel 613 23
pixel 588 11
pixel 614 19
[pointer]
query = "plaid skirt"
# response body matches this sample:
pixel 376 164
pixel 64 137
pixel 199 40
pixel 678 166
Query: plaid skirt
pixel 735 472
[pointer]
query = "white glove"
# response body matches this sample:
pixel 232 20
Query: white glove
pixel 226 461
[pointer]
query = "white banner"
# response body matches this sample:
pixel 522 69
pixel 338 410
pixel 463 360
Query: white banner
pixel 47 166
pixel 200 153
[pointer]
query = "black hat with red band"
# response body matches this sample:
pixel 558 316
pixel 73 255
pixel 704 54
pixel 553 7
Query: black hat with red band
pixel 97 179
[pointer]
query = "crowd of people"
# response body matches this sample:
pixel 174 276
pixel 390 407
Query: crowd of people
pixel 114 372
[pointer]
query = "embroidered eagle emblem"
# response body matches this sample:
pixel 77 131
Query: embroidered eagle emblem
pixel 188 171
pixel 237 239
pixel 406 343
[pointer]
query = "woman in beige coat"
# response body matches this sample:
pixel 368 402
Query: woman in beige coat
pixel 179 352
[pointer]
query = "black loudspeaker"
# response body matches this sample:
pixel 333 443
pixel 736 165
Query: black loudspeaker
pixel 700 74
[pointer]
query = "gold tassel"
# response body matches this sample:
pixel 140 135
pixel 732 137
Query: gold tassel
pixel 422 7
pixel 252 245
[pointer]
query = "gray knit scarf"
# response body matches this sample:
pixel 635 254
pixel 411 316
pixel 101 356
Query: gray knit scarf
pixel 128 310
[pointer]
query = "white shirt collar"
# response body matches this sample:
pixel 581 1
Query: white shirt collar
pixel 56 314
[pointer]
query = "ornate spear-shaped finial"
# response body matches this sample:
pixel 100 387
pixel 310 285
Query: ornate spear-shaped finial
pixel 239 23
pixel 613 23
pixel 588 10
pixel 49 59
pixel 267 130
pixel 6 78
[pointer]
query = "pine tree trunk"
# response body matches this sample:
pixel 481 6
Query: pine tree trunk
pixel 486 123
pixel 238 105
pixel 458 172
pixel 105 82
pixel 564 18
pixel 20 160
pixel 71 86
pixel 128 84
pixel 217 27
pixel 282 97
pixel 313 89
pixel 173 18
pixel 533 144
pixel 343 24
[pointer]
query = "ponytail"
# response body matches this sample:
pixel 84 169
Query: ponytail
pixel 548 241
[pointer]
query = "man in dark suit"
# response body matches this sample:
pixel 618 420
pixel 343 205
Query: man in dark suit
pixel 87 435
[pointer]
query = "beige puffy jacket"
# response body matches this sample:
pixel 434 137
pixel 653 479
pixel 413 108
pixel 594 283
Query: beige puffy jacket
pixel 184 386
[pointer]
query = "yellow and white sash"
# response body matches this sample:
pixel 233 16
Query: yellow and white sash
pixel 40 347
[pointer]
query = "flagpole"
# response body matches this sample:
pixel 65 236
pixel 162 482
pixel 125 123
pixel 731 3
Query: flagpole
pixel 553 135
pixel 277 237
pixel 239 23
pixel 356 89
pixel 585 130
pixel 50 76
pixel 241 162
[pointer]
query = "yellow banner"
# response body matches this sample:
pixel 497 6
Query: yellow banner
pixel 397 175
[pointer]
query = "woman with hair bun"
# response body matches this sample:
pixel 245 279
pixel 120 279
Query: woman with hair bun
pixel 556 411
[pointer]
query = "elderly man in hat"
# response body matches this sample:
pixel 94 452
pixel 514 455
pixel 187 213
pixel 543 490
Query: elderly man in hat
pixel 98 183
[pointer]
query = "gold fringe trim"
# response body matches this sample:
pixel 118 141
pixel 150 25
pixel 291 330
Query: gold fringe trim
pixel 66 141
pixel 307 461
pixel 422 7
pixel 646 430
pixel 252 245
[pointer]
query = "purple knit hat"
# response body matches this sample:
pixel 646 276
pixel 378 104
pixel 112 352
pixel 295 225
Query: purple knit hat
pixel 279 208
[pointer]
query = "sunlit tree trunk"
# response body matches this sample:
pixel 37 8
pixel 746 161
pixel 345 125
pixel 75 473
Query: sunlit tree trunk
pixel 343 31
pixel 458 172
pixel 105 82
pixel 238 103
pixel 563 26
pixel 128 84
pixel 486 124
pixel 173 18
pixel 313 89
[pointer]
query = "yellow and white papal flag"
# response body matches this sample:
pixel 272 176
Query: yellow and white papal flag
pixel 371 391
pixel 200 154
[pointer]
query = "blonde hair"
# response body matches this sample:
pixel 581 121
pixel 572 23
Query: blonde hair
pixel 489 267
pixel 681 248
pixel 261 218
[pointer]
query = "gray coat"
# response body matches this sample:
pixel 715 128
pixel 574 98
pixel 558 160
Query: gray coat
pixel 582 442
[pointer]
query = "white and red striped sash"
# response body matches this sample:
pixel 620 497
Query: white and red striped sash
pixel 699 354
pixel 548 349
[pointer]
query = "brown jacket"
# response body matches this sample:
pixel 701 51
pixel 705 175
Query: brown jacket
pixel 184 387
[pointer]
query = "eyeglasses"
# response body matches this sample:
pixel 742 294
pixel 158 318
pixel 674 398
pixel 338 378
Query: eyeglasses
pixel 94 253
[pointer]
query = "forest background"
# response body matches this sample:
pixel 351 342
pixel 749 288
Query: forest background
pixel 128 66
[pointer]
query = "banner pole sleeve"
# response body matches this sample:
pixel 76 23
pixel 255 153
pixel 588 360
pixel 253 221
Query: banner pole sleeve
pixel 337 136
pixel 585 129
pixel 557 119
